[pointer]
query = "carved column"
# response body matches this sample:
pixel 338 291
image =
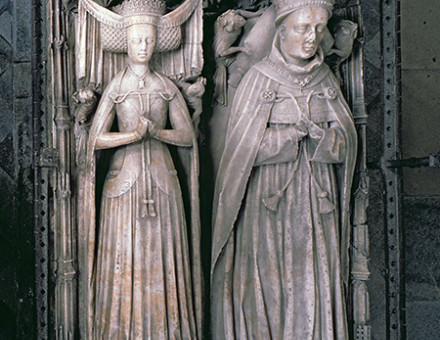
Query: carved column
pixel 360 274
pixel 64 236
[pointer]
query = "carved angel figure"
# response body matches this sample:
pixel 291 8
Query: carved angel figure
pixel 281 222
pixel 140 275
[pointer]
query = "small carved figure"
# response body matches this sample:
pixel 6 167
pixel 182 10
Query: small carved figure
pixel 87 101
pixel 281 206
pixel 141 277
pixel 344 34
pixel 193 93
pixel 227 29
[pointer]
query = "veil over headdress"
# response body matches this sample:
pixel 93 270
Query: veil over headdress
pixel 102 38
pixel 101 54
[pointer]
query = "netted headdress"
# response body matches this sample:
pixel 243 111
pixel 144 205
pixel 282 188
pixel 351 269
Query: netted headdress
pixel 131 12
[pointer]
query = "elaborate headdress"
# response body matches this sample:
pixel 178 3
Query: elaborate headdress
pixel 284 7
pixel 133 8
pixel 132 12
pixel 178 46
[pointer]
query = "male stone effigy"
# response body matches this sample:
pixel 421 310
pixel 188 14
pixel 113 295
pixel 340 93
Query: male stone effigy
pixel 281 209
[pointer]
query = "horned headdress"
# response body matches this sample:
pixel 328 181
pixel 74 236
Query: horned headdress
pixel 103 32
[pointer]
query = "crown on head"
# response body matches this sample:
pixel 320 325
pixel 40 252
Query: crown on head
pixel 285 7
pixel 141 7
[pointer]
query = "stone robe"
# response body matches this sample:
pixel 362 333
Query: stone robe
pixel 279 274
pixel 143 270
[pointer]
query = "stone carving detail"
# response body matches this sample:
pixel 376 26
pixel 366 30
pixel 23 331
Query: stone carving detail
pixel 309 92
pixel 228 28
pixel 280 264
pixel 139 276
pixel 344 33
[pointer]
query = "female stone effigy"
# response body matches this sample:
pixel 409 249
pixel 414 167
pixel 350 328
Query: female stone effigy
pixel 140 258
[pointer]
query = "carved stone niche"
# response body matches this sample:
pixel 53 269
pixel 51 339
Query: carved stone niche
pixel 129 73
pixel 92 44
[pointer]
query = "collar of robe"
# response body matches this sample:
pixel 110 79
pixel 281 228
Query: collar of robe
pixel 302 75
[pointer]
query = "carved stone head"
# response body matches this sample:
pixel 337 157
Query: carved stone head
pixel 301 33
pixel 141 41
pixel 231 21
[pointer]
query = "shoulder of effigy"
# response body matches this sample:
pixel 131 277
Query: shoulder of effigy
pixel 273 75
pixel 118 77
pixel 113 85
pixel 168 85
pixel 258 68
pixel 256 74
pixel 250 90
pixel 325 74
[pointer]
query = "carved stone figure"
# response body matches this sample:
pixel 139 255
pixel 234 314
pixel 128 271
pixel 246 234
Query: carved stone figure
pixel 141 275
pixel 227 28
pixel 281 206
pixel 193 93
pixel 345 33
pixel 254 44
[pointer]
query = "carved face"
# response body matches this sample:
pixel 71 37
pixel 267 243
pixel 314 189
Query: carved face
pixel 141 40
pixel 301 33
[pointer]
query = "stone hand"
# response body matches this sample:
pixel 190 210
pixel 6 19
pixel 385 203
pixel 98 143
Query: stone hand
pixel 142 127
pixel 315 131
pixel 153 129
pixel 301 129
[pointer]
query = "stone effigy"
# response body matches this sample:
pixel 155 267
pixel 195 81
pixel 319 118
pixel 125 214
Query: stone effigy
pixel 140 271
pixel 281 208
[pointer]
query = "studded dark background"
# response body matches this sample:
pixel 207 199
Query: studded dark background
pixel 17 259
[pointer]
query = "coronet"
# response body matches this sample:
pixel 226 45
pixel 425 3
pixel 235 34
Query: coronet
pixel 131 8
pixel 285 7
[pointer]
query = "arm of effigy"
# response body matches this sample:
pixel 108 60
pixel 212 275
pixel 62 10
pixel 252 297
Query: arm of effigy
pixel 279 145
pixel 330 142
pixel 106 139
pixel 181 133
